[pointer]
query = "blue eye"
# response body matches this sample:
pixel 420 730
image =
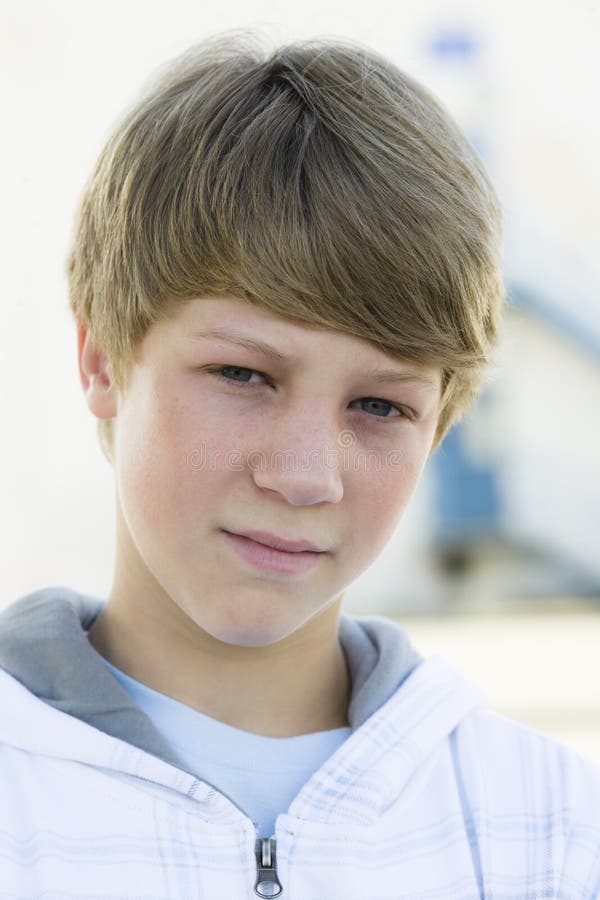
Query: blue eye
pixel 381 403
pixel 220 370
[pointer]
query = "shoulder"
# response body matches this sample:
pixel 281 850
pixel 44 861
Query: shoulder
pixel 507 743
pixel 516 757
pixel 516 780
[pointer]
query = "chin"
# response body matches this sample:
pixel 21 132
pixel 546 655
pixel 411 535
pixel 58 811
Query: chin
pixel 253 623
pixel 243 640
pixel 252 630
pixel 246 637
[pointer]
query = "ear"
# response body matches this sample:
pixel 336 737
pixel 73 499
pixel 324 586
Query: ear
pixel 96 376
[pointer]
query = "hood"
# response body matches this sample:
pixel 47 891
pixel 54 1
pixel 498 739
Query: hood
pixel 55 686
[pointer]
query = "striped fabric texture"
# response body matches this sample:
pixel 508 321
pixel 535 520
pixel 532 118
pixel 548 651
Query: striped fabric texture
pixel 434 797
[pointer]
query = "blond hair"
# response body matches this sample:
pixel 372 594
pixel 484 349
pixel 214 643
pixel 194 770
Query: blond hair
pixel 317 181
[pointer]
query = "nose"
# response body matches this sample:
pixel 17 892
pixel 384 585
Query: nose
pixel 301 462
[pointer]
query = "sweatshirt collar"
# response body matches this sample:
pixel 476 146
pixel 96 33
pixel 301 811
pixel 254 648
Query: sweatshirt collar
pixel 51 669
pixel 44 645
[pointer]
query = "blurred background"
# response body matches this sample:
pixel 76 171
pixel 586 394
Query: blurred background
pixel 496 563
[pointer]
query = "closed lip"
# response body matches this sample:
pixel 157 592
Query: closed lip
pixel 278 543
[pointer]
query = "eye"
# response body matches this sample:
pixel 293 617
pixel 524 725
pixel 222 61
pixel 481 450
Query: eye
pixel 383 403
pixel 218 371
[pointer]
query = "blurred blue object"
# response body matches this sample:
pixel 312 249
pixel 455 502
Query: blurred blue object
pixel 468 499
pixel 453 43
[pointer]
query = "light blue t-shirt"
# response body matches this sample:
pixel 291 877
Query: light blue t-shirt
pixel 259 774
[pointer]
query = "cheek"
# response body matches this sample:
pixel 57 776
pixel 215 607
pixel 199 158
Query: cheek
pixel 199 426
pixel 379 501
pixel 385 504
pixel 189 450
pixel 154 474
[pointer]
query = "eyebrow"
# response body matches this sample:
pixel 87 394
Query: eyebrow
pixel 380 375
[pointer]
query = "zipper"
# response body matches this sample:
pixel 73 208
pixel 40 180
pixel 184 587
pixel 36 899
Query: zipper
pixel 267 881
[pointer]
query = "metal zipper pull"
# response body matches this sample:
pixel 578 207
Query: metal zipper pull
pixel 267 883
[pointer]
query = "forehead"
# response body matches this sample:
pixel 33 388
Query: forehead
pixel 210 321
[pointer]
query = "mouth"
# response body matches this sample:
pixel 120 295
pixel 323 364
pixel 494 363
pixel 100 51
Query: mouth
pixel 267 558
pixel 278 543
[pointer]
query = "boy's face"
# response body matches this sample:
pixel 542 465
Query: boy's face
pixel 308 447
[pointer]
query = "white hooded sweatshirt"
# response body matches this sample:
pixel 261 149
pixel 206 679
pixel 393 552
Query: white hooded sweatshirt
pixel 432 797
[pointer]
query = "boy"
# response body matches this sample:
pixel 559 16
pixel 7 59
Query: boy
pixel 286 281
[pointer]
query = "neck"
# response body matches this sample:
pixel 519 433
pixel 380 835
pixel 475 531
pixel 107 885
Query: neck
pixel 298 685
